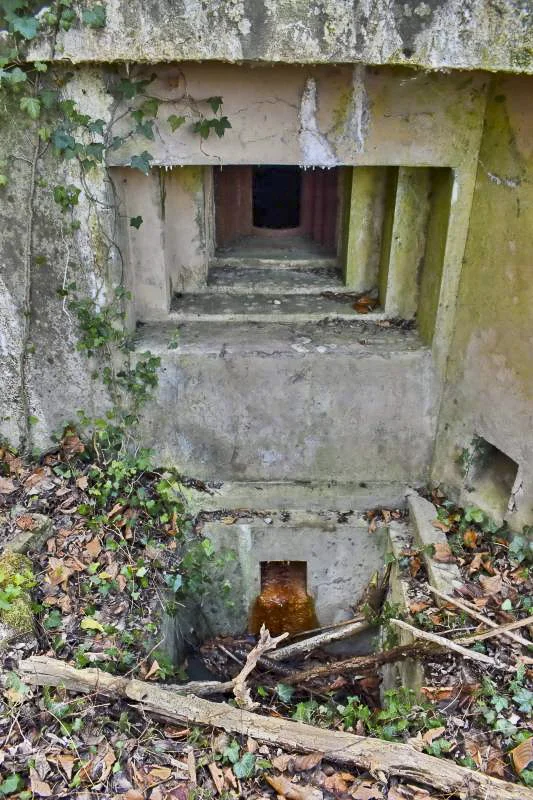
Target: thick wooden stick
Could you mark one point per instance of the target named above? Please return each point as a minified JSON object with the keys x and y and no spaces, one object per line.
{"x":321,"y":639}
{"x":501,"y":630}
{"x":361,"y":663}
{"x":448,"y":644}
{"x":373,"y":755}
{"x":475,"y":614}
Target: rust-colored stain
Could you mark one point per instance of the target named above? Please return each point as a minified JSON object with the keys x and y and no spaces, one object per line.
{"x":284,"y":604}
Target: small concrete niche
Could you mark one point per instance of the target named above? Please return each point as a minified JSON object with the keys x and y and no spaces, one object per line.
{"x":491,"y":478}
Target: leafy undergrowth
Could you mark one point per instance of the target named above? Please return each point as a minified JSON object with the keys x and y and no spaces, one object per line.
{"x":122,"y":553}
{"x":121,"y":556}
{"x":484,"y":713}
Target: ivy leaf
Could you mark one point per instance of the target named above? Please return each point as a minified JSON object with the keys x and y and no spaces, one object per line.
{"x":48,"y":98}
{"x":215,"y":103}
{"x":284,"y":692}
{"x":14,"y":76}
{"x":40,"y":66}
{"x":3,"y":180}
{"x":175,"y":122}
{"x":94,"y":17}
{"x":203,"y":127}
{"x":142,"y":162}
{"x":130,"y":89}
{"x":90,"y":624}
{"x":136,"y":222}
{"x":61,"y":140}
{"x":221,"y":125}
{"x":11,"y":784}
{"x":95,"y":150}
{"x":96,"y":126}
{"x":245,"y":767}
{"x":26,"y":26}
{"x":232,"y":752}
{"x":146,"y":128}
{"x":150,"y":107}
{"x":53,"y":620}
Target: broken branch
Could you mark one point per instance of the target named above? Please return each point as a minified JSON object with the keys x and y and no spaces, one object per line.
{"x":264,"y":644}
{"x":396,"y":760}
{"x":443,"y":642}
{"x":469,"y":609}
{"x":321,"y":639}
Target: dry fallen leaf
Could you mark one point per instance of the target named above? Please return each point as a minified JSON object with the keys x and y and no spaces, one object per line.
{"x":432,"y":734}
{"x":415,"y":565}
{"x":25,"y":522}
{"x":440,"y":525}
{"x":291,"y":790}
{"x":158,"y":774}
{"x":217,"y":776}
{"x":39,"y":787}
{"x":93,"y":548}
{"x":310,"y":761}
{"x":6,"y":486}
{"x":132,"y":794}
{"x":470,"y":538}
{"x":522,"y":755}
{"x":152,"y":672}
{"x":369,"y":791}
{"x":418,"y":606}
{"x":335,"y":783}
{"x":82,"y":482}
{"x":492,"y":584}
{"x":495,"y":762}
{"x":443,"y":554}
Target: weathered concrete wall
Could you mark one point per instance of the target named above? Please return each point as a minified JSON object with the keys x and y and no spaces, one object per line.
{"x":437,"y":34}
{"x":489,"y":389}
{"x":45,"y":380}
{"x":311,"y":402}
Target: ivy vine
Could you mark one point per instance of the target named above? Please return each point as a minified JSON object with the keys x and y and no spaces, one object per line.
{"x":75,"y":137}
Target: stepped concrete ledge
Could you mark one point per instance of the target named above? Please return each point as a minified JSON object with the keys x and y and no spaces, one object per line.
{"x":259,"y":307}
{"x":342,"y":498}
{"x":443,"y":576}
{"x":410,"y":672}
{"x":340,"y":556}
{"x":272,"y":402}
{"x":271,"y":280}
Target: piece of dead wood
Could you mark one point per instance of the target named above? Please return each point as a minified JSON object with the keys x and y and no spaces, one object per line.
{"x":448,"y":644}
{"x":472,"y":611}
{"x":362,"y":664}
{"x":373,"y":755}
{"x":500,"y":629}
{"x":321,"y":639}
{"x":264,"y":644}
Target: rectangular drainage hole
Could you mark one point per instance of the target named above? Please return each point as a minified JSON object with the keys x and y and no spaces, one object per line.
{"x":491,"y":476}
{"x":284,"y":604}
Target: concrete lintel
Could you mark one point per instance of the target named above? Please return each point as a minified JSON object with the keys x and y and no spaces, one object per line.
{"x":311,"y":495}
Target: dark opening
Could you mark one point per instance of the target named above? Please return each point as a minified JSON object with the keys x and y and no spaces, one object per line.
{"x":286,"y":572}
{"x":491,"y":475}
{"x":276,"y":197}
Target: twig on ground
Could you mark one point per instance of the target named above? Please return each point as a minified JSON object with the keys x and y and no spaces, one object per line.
{"x":264,"y":644}
{"x":471,"y":610}
{"x":448,"y":644}
{"x":344,"y":631}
